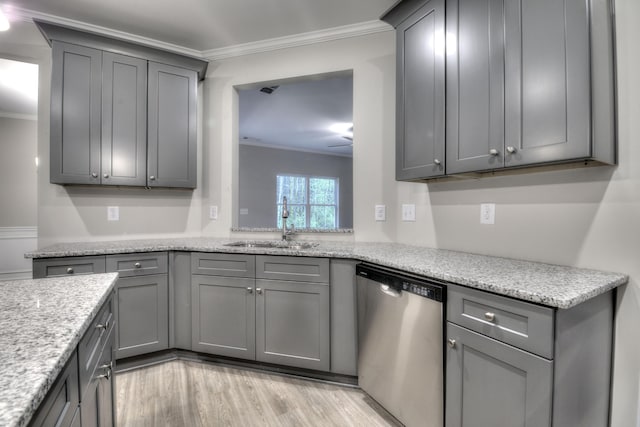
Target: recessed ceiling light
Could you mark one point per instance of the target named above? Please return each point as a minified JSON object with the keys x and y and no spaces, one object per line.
{"x":344,"y":129}
{"x":4,"y":22}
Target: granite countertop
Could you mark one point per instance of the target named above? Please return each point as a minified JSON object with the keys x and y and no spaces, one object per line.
{"x":547,"y":284}
{"x":41,"y":323}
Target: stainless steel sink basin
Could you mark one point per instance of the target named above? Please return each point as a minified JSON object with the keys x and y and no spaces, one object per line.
{"x":279,"y":244}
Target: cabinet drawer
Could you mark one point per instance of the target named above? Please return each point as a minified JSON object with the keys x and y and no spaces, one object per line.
{"x":299,"y":269}
{"x":92,"y":342}
{"x":51,"y":267}
{"x":521,"y":324}
{"x":228,"y":265}
{"x":61,"y":403}
{"x":138,"y":264}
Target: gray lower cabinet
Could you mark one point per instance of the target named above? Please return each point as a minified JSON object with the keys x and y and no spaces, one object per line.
{"x":512,"y":363}
{"x":224,"y":316}
{"x":420,"y":94}
{"x":61,"y":404}
{"x":493,"y":384}
{"x":293,"y":324}
{"x":84,"y":393}
{"x":282,"y":317}
{"x":142,"y":302}
{"x":53,"y":267}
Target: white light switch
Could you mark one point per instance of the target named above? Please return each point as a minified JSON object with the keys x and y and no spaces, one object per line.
{"x":381,"y":213}
{"x":113,"y":213}
{"x":408,"y":212}
{"x":488,"y":213}
{"x":213,"y":212}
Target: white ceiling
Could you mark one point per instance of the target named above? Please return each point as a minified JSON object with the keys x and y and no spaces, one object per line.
{"x":211,"y":24}
{"x":298,"y":115}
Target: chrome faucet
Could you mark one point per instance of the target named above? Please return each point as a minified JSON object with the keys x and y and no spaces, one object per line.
{"x":285,"y":214}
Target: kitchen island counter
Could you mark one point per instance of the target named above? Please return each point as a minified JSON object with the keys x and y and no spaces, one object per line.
{"x":547,"y":284}
{"x":41,"y":324}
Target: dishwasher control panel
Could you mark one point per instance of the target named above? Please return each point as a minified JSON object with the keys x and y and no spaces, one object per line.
{"x":400,"y":282}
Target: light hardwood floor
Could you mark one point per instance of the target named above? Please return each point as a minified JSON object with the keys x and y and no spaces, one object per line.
{"x":186,"y":393}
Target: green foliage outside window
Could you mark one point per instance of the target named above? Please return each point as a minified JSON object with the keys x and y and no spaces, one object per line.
{"x":312,"y":201}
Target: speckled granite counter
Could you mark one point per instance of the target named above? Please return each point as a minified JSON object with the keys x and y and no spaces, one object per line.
{"x":41,"y":323}
{"x":551,"y":285}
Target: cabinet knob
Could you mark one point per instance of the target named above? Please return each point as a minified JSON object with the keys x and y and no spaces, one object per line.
{"x":437,"y":161}
{"x":451,"y":342}
{"x":494,"y":152}
{"x":70,"y":270}
{"x":94,"y":175}
{"x":259,"y":290}
{"x":104,"y":326}
{"x":250,"y":290}
{"x":490,"y":316}
{"x":137,"y":265}
{"x":152,"y":178}
{"x":106,"y":175}
{"x":511,"y":150}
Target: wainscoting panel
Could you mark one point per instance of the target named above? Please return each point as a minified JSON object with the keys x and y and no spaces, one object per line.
{"x":14,"y":242}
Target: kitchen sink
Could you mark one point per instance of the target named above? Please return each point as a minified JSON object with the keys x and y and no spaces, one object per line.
{"x":272,"y":244}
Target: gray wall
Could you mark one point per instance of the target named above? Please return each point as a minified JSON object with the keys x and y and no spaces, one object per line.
{"x":259,"y":166}
{"x":18,"y":191}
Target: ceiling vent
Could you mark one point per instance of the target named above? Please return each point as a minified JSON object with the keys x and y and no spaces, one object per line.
{"x":269,"y":90}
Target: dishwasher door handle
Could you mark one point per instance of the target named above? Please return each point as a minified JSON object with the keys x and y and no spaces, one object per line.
{"x":388,"y":290}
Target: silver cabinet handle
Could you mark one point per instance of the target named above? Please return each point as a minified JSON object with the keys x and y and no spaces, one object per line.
{"x":152,"y":178}
{"x":107,"y":365}
{"x":137,"y":265}
{"x":494,"y":152}
{"x":259,"y":290}
{"x":511,"y":150}
{"x":101,"y":326}
{"x":490,"y":316}
{"x":451,"y":342}
{"x":437,"y":161}
{"x":250,"y":290}
{"x":94,"y":175}
{"x":106,"y":375}
{"x":70,"y":270}
{"x":106,"y":175}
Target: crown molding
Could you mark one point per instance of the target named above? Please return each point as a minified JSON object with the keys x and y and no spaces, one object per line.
{"x":302,"y":39}
{"x":254,"y":143}
{"x":29,"y":15}
{"x":18,"y":233}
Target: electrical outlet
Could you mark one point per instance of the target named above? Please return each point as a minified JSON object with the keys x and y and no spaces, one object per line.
{"x":113,"y":213}
{"x":488,"y":213}
{"x":381,"y":213}
{"x":213,"y":212}
{"x":244,"y":211}
{"x":408,"y":212}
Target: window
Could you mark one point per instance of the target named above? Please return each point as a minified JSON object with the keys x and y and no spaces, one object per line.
{"x":312,"y":201}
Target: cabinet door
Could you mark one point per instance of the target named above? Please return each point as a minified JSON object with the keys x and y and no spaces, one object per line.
{"x":223,"y":316}
{"x":172,"y":126}
{"x":97,"y":405}
{"x":124,"y":120}
{"x":420,"y":93}
{"x":475,"y":85}
{"x":547,"y":86}
{"x":292,"y":324}
{"x":142,"y":315}
{"x":75,"y":114}
{"x":493,"y":384}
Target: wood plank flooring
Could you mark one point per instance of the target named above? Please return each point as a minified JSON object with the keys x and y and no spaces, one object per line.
{"x":186,"y":393}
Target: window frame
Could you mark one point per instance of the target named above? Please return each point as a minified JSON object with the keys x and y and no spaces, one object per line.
{"x":307,"y":206}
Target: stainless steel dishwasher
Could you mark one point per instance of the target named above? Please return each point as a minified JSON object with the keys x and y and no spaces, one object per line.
{"x":401,"y":347}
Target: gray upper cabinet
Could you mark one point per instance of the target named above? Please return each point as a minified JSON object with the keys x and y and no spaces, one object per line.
{"x":124,"y":120}
{"x":172,"y":126}
{"x":420,"y":94}
{"x":121,"y":113}
{"x":528,"y":82}
{"x":475,"y":85}
{"x":75,"y":114}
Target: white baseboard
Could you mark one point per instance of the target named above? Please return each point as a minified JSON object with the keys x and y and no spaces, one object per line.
{"x":18,"y":232}
{"x":16,"y":275}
